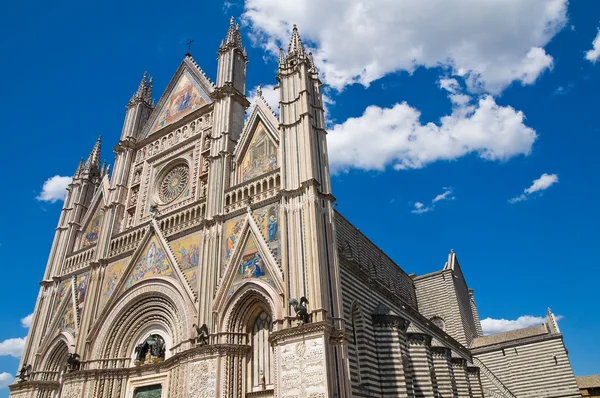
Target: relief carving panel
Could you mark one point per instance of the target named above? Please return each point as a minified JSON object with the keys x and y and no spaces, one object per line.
{"x":302,"y":370}
{"x":203,"y":379}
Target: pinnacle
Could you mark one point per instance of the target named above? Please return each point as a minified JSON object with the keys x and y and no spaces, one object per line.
{"x":93,"y":161}
{"x":234,"y":37}
{"x":144,"y":91}
{"x":296,"y":47}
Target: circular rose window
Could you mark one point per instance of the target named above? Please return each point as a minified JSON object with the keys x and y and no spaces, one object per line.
{"x":173,"y":183}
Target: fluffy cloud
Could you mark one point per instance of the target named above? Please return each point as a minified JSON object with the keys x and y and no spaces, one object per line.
{"x":395,"y":136}
{"x":6,"y":379}
{"x":489,"y":43}
{"x":12,"y":347}
{"x":269,"y":93}
{"x":55,"y":188}
{"x":420,"y":208}
{"x":593,"y":54}
{"x":26,"y":322}
{"x":491,"y":326}
{"x":541,"y":184}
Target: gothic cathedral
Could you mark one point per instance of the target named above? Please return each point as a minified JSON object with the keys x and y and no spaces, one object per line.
{"x":210,"y":262}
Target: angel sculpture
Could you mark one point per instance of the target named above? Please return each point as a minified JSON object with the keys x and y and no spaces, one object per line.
{"x":202,"y":334}
{"x":300,"y":309}
{"x":73,"y":362}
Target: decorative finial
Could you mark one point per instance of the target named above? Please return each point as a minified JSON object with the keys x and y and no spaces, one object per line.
{"x":231,"y":20}
{"x":451,"y":251}
{"x":281,"y":57}
{"x":259,"y":91}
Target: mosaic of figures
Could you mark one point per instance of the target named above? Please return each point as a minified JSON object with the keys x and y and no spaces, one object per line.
{"x":152,"y":262}
{"x":252,"y":266}
{"x":81,"y":290}
{"x":267,"y":219}
{"x":92,"y":231}
{"x":63,"y":289}
{"x":261,"y":155}
{"x":68,"y":319}
{"x":167,"y":141}
{"x":187,"y":254}
{"x":112,"y":275}
{"x":187,"y":96}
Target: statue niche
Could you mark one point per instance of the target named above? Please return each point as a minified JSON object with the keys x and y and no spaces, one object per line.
{"x":152,"y":350}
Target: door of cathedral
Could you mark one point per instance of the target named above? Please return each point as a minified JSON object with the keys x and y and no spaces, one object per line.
{"x":153,"y":391}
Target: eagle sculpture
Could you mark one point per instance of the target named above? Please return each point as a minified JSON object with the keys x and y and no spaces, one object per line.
{"x":301,"y":309}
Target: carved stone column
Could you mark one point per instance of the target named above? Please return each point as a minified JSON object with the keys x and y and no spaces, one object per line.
{"x":474,"y":381}
{"x":390,"y":335}
{"x":459,"y":365}
{"x":442,"y":357}
{"x":424,"y":379}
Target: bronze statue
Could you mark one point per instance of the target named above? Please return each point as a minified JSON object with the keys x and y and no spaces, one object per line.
{"x":202,"y":334}
{"x":301,"y":309}
{"x":24,"y":373}
{"x":73,"y":362}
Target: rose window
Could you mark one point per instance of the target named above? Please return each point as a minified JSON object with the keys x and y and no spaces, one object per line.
{"x":173,"y":183}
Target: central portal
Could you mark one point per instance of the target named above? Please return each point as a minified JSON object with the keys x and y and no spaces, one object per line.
{"x":153,"y":391}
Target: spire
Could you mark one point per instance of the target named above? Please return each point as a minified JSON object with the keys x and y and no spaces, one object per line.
{"x":234,"y":37}
{"x":144,"y":91}
{"x":93,"y":161}
{"x":281,"y":57}
{"x":79,"y":169}
{"x":296,"y":47}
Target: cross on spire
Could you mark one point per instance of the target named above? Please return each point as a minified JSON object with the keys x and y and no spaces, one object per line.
{"x":189,"y":46}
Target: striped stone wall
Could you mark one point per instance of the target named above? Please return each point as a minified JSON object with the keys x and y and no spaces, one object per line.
{"x":537,"y":367}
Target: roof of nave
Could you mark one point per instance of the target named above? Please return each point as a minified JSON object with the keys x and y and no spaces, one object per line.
{"x":512,"y":335}
{"x":592,"y":381}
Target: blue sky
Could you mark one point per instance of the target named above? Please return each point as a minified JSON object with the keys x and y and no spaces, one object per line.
{"x":439,"y":112}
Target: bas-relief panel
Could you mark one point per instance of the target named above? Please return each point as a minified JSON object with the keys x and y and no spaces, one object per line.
{"x":187,"y":96}
{"x":302,"y":371}
{"x":187,"y":253}
{"x":152,"y":262}
{"x":261,"y":155}
{"x":92,"y":231}
{"x":252,"y":266}
{"x":203,"y":379}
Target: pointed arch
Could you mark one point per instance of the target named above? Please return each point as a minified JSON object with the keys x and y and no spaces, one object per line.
{"x":54,"y":360}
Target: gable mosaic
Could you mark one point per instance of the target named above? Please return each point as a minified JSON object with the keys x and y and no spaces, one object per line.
{"x":152,"y":262}
{"x":187,"y":96}
{"x":187,"y":254}
{"x":93,"y":229}
{"x":251,"y":266}
{"x":261,"y":155}
{"x":112,"y":275}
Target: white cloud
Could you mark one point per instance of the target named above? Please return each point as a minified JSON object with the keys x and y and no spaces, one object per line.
{"x":55,"y":188}
{"x":489,"y":43}
{"x":541,"y":184}
{"x":443,"y":196}
{"x":12,"y":347}
{"x":420,"y":208}
{"x":26,"y":322}
{"x":395,"y":136}
{"x":491,"y":326}
{"x":593,"y":54}
{"x":6,"y":379}
{"x":269,"y":93}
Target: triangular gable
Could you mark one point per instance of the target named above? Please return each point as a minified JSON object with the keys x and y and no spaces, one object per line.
{"x":152,"y":259}
{"x":92,"y":226}
{"x":188,"y":90}
{"x":251,"y":262}
{"x":187,"y":254}
{"x":260,"y":156}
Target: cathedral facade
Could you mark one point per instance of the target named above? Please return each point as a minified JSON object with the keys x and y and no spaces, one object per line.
{"x":210,"y":262}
